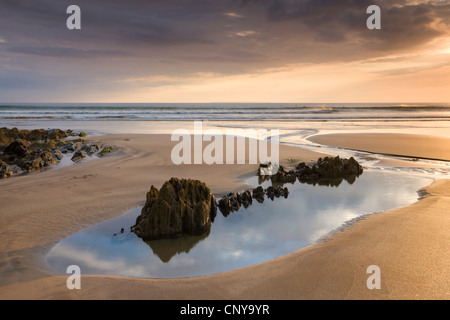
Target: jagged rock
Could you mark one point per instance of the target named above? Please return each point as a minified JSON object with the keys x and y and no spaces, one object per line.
{"x":331,"y":168}
{"x":79,"y":155}
{"x":180,"y":207}
{"x":285,"y":193}
{"x":48,"y":158}
{"x":31,"y":164}
{"x":90,"y":149}
{"x":234,"y":201}
{"x":4,"y":140}
{"x":270,"y":192}
{"x":5,"y":170}
{"x":213,"y":207}
{"x":246,"y":199}
{"x":258,"y":194}
{"x":57,"y":154}
{"x":35,"y":149}
{"x":326,"y":168}
{"x":17,"y":148}
{"x":70,"y":147}
{"x":230,"y":203}
{"x":36,"y":160}
{"x":34,"y":135}
{"x":105,"y":151}
{"x":225,"y":206}
{"x":283,"y":176}
{"x":277,"y":192}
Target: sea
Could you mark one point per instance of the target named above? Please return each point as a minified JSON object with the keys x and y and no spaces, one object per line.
{"x":224,"y":111}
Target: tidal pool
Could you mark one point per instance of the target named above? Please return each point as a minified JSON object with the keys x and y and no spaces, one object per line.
{"x":247,"y":237}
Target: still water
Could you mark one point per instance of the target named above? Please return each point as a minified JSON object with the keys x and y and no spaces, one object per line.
{"x":247,"y":237}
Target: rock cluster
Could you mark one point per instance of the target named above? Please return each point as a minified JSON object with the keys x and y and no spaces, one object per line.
{"x":328,"y":171}
{"x":277,"y":192}
{"x":234,"y":201}
{"x":329,"y":168}
{"x":9,"y":135}
{"x":20,"y":154}
{"x":23,"y":151}
{"x":180,"y":207}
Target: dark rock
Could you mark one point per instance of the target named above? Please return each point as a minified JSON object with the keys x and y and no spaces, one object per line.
{"x":301,"y":166}
{"x":234,"y":201}
{"x":285,"y":193}
{"x":213,"y":205}
{"x":31,"y":150}
{"x":17,"y":148}
{"x":70,"y":147}
{"x":277,"y":192}
{"x":48,"y":158}
{"x":36,"y":160}
{"x":331,"y":168}
{"x":258,"y":194}
{"x":283,"y":176}
{"x":324,"y":169}
{"x":90,"y":149}
{"x":5,"y":170}
{"x":79,"y":155}
{"x":105,"y":151}
{"x":180,"y":207}
{"x":33,"y":135}
{"x":246,"y":199}
{"x":57,"y":154}
{"x":30,"y":164}
{"x":229,"y":204}
{"x":4,"y":140}
{"x":225,"y":206}
{"x":270,"y":192}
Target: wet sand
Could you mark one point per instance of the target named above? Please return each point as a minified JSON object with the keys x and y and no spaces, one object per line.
{"x":405,"y":145}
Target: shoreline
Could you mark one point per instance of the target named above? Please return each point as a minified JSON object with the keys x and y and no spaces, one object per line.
{"x":24,"y":242}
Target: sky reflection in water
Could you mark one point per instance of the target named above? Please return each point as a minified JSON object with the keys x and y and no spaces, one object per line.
{"x":250,"y":236}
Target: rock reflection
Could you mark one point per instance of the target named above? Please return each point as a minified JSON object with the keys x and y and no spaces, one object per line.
{"x":166,"y":249}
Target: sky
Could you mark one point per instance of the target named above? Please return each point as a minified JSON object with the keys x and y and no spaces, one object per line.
{"x":300,"y":51}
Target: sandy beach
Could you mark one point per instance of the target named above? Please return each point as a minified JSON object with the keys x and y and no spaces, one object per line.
{"x":410,"y":244}
{"x":403,"y":145}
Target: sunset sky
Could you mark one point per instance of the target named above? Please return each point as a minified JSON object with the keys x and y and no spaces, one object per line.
{"x":224,"y":51}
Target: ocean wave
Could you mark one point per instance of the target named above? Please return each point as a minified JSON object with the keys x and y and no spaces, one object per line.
{"x":224,"y":112}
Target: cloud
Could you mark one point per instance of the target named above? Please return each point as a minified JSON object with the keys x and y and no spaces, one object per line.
{"x":181,"y":38}
{"x":66,"y":52}
{"x":233,"y":15}
{"x":245,"y":33}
